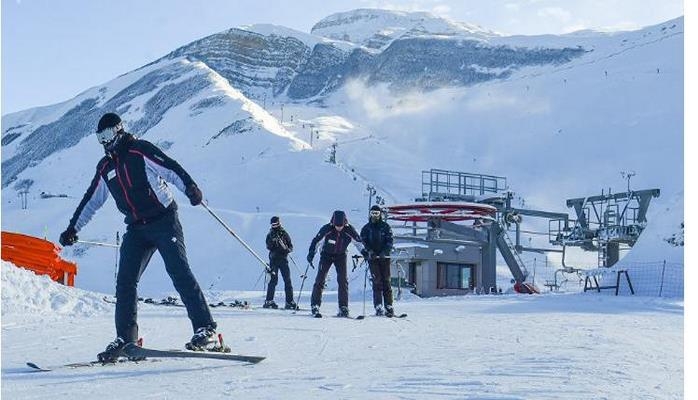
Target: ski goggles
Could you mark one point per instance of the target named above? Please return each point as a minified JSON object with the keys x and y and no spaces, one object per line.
{"x":106,"y":135}
{"x":276,"y":224}
{"x":375,"y":213}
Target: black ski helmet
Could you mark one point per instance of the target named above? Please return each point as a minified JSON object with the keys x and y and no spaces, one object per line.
{"x":376,"y":207}
{"x":108,"y":120}
{"x":275,"y":221}
{"x":339,"y":218}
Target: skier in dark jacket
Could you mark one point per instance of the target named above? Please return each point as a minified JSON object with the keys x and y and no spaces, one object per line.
{"x":135,"y":172}
{"x":377,"y":238}
{"x":279,"y":245}
{"x":336,"y":235}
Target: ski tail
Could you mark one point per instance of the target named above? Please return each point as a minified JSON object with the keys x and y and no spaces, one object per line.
{"x":132,"y":350}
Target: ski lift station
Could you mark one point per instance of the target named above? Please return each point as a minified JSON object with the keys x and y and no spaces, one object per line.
{"x":447,"y":241}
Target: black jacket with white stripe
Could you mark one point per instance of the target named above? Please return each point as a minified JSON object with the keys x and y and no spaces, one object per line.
{"x":136,"y":174}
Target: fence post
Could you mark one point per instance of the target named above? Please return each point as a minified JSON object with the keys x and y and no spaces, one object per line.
{"x":661,"y":284}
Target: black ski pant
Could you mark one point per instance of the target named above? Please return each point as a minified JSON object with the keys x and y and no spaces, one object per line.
{"x":380,"y":280}
{"x":340,"y":263}
{"x":140,"y":243}
{"x":280,"y":265}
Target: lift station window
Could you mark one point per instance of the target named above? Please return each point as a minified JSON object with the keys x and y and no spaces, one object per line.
{"x":455,"y":276}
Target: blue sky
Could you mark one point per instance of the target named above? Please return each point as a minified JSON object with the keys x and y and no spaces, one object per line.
{"x":53,"y":50}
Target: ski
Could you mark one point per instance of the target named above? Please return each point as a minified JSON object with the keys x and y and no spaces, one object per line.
{"x":37,"y":368}
{"x":132,"y":350}
{"x":244,"y":305}
{"x":169,"y":302}
{"x":279,"y":309}
{"x":403,"y":315}
{"x":174,"y":302}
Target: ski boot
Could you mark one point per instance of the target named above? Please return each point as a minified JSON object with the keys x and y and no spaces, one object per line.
{"x":343,"y":312}
{"x":270,"y":304}
{"x":389,"y":312}
{"x":291,"y":305}
{"x":379,"y":311}
{"x":315,"y":311}
{"x":202,"y":338}
{"x":114,"y":350}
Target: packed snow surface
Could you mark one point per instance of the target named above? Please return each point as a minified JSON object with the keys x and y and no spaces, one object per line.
{"x":552,"y":346}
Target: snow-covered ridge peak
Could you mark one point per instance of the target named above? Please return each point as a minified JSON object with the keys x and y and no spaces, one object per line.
{"x":376,"y":28}
{"x":282,"y":31}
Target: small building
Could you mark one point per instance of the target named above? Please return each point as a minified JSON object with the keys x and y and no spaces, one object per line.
{"x":437,"y":257}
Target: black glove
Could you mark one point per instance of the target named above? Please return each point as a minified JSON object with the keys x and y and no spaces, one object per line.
{"x":364,"y":253}
{"x":194,"y":194}
{"x":310,"y":257}
{"x":68,"y":237}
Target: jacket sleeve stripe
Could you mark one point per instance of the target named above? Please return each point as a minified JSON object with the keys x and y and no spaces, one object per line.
{"x":93,"y":199}
{"x":168,"y":168}
{"x":167,"y":174}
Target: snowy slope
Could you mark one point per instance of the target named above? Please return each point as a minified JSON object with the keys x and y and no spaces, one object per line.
{"x":556,"y":132}
{"x":481,"y":347}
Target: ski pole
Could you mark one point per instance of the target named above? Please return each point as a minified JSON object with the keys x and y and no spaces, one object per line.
{"x":400,"y":274}
{"x":304,"y":276}
{"x":365,"y":279}
{"x":97,"y":243}
{"x":266,"y":266}
{"x":257,"y":282}
{"x":294,"y":263}
{"x":114,"y":246}
{"x":354,"y":260}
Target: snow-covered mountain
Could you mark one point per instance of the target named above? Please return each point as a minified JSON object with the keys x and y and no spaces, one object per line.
{"x":376,"y":29}
{"x":560,"y":116}
{"x":420,"y":50}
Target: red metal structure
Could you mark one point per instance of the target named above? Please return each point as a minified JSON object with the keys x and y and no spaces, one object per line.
{"x":446,"y":211}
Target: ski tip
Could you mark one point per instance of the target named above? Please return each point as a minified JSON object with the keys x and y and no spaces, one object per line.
{"x":361,"y":317}
{"x":36,"y":367}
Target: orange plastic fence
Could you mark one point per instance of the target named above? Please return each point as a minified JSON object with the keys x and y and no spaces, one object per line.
{"x":38,"y":255}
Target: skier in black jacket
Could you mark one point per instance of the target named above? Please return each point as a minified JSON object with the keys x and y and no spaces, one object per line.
{"x":336,"y":235}
{"x":279,"y":245}
{"x":377,"y":238}
{"x":135,"y":172}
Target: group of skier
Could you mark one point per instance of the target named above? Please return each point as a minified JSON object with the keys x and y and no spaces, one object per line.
{"x":376,"y":241}
{"x":136,"y":173}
